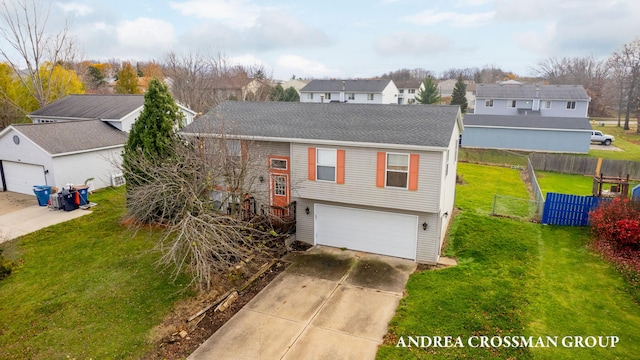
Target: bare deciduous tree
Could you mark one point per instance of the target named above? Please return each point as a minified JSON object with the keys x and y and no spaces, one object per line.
{"x":627,"y":63}
{"x":587,"y":71}
{"x":33,"y":52}
{"x":206,"y":190}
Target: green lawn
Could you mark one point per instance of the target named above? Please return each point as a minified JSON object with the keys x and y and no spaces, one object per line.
{"x":628,"y":140}
{"x":85,"y":289}
{"x":564,"y":183}
{"x":514,"y":279}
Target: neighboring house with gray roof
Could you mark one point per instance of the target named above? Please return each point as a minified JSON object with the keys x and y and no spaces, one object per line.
{"x":367,"y":91}
{"x":514,"y":116}
{"x":375,"y":178}
{"x":71,"y":140}
{"x":407,"y":91}
{"x":520,"y":99}
{"x":121,"y":111}
{"x":57,"y":154}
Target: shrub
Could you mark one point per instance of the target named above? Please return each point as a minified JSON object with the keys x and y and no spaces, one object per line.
{"x":617,"y":222}
{"x":5,"y":269}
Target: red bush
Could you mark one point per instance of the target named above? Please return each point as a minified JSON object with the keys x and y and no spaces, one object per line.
{"x":617,"y":222}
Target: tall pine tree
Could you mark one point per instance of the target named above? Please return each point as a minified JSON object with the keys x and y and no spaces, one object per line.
{"x":459,"y":95}
{"x":153,"y":134}
{"x":428,"y":93}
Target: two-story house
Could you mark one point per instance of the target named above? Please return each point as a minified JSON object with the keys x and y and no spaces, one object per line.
{"x":407,"y":91}
{"x":548,"y":118}
{"x":375,"y":91}
{"x":375,"y":178}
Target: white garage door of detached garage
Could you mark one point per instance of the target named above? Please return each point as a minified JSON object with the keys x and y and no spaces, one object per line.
{"x":366,"y":230}
{"x":21,"y":177}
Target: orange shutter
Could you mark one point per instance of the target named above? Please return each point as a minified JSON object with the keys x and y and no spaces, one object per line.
{"x":340,"y":167}
{"x":312,"y":164}
{"x":381,"y":169}
{"x":414,"y":159}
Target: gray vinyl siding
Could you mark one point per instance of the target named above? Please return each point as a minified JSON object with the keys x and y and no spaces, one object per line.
{"x":527,"y":139}
{"x":428,"y":242}
{"x":260,"y":152}
{"x":360,"y":181}
{"x":559,"y":108}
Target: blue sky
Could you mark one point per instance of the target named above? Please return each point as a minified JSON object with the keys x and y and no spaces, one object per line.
{"x":352,"y":38}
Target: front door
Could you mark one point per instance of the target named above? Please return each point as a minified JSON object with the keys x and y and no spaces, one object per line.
{"x":279,"y":183}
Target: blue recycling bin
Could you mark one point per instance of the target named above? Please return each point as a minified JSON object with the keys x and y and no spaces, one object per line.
{"x":42,"y":193}
{"x":83,"y":192}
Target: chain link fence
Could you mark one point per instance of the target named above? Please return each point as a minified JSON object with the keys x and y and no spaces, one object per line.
{"x":517,"y":208}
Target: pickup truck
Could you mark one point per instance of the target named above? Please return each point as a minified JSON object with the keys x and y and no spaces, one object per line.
{"x":598,"y":136}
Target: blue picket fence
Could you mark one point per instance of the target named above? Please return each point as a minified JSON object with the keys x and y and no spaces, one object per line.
{"x":568,"y":210}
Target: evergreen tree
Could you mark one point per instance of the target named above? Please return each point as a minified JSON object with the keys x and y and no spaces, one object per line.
{"x":277,"y":93}
{"x":153,"y":135}
{"x":127,"y":80}
{"x":459,"y":95}
{"x":428,"y":94}
{"x":290,"y":94}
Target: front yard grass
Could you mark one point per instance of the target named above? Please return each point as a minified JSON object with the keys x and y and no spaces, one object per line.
{"x":84,"y":289}
{"x":514,"y":279}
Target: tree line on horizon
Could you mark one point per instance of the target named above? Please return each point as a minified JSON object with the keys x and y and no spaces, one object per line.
{"x":48,"y":68}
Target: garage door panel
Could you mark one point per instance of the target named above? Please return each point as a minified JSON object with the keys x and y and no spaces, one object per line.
{"x":365,"y":230}
{"x":21,"y":177}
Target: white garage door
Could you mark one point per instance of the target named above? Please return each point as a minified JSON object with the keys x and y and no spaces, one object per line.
{"x":21,"y":177}
{"x":365,"y":230}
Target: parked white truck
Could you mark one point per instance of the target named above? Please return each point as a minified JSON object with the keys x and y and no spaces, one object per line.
{"x":598,"y":136}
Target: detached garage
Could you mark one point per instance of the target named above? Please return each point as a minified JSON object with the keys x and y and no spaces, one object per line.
{"x":366,"y":230}
{"x":527,"y":132}
{"x":58,"y":154}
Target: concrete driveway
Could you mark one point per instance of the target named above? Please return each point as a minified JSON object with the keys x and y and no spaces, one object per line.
{"x":328,"y":304}
{"x":28,"y":219}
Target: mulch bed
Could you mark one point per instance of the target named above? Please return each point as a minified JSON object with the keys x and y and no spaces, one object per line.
{"x":174,"y":346}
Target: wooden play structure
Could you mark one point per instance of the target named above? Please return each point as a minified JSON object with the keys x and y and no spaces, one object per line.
{"x":611,"y":186}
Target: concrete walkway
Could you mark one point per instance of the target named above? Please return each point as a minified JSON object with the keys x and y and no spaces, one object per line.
{"x":328,"y":304}
{"x":33,"y":218}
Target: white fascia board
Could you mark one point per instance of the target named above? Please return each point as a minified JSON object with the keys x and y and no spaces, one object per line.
{"x":88,"y":150}
{"x":10,"y":127}
{"x":326,"y":142}
{"x":524,"y":128}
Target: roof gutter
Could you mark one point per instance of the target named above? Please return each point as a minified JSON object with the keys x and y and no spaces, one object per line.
{"x":524,"y":128}
{"x":88,"y":150}
{"x":323,"y":142}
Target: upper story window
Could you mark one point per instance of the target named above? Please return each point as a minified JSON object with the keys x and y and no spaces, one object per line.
{"x":370,"y":97}
{"x":511,"y":103}
{"x":310,"y":96}
{"x":411,"y":91}
{"x":571,"y":105}
{"x":545,"y":104}
{"x":397,"y":170}
{"x":352,"y":96}
{"x":327,"y":96}
{"x":326,"y":164}
{"x":488,"y":103}
{"x":401,"y":91}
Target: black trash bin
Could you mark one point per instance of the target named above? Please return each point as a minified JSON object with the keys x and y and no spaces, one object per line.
{"x":69,"y":200}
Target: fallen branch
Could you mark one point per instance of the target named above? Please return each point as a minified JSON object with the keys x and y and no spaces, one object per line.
{"x":216,"y":302}
{"x":261,"y":271}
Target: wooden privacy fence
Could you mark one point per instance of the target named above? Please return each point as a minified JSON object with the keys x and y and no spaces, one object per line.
{"x":571,"y":164}
{"x":568,"y":210}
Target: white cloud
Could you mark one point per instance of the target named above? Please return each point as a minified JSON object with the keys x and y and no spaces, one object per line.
{"x":236,"y":13}
{"x":78,"y":9}
{"x":280,"y":30}
{"x":286,"y":65}
{"x":540,"y":42}
{"x":145,"y":33}
{"x":431,"y":17}
{"x":412,"y":44}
